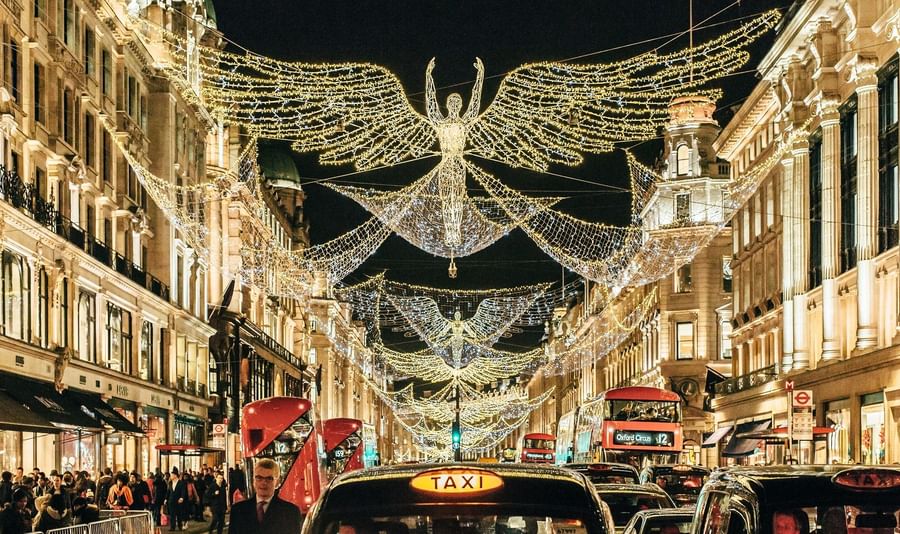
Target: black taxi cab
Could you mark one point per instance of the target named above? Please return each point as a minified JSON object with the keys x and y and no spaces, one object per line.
{"x":822,"y":499}
{"x":681,"y":481}
{"x":460,"y":498}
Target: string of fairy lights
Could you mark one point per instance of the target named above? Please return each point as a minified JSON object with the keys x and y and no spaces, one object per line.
{"x":543,"y":114}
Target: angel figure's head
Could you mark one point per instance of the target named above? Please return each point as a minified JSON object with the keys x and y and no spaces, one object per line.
{"x":454,"y":105}
{"x":457,"y":316}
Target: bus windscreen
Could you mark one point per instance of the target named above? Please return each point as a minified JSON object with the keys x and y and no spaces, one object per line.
{"x":649,"y":411}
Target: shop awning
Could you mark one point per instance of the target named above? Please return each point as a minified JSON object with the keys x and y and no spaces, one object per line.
{"x":740,"y":444}
{"x":716,"y":436}
{"x":42,"y":399}
{"x":94,"y":406}
{"x":15,"y":416}
{"x":779,"y":434}
{"x":186,"y":450}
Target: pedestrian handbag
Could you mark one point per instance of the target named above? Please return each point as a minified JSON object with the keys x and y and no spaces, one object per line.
{"x":164,"y":520}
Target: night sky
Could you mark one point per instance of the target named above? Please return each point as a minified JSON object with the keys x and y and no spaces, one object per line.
{"x":403,"y":35}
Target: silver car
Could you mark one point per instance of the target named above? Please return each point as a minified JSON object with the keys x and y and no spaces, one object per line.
{"x":664,"y":521}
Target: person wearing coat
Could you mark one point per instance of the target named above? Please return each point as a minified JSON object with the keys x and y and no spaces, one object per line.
{"x":140,"y":492}
{"x":265,"y":513}
{"x":55,"y":514}
{"x":217,"y":499}
{"x":15,"y":518}
{"x":160,"y":489}
{"x":176,"y":501}
{"x":83,"y":512}
{"x":120,"y":497}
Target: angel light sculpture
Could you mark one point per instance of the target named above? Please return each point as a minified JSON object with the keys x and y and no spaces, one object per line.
{"x":543,"y":114}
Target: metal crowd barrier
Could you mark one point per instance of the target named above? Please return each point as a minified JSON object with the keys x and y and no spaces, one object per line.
{"x":115,"y":522}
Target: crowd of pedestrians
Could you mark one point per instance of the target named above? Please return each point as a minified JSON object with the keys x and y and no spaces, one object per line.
{"x":37,"y":502}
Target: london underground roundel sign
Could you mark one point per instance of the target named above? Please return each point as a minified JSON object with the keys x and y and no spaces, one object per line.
{"x":456,"y":482}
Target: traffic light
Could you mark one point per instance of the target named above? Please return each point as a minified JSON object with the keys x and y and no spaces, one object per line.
{"x":456,"y":435}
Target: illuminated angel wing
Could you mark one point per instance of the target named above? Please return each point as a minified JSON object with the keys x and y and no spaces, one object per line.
{"x":423,"y":317}
{"x":350,"y":112}
{"x":554,"y":112}
{"x":495,"y":315}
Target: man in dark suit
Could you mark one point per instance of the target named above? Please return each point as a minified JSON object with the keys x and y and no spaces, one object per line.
{"x":265,"y":513}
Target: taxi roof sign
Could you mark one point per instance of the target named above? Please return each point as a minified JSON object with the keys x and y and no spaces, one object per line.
{"x":456,"y":482}
{"x":868,"y":479}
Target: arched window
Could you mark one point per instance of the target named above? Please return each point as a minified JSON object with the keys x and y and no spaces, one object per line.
{"x":86,"y":327}
{"x":16,"y":296}
{"x":683,"y":154}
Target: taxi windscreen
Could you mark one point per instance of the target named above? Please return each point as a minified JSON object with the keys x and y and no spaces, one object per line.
{"x":442,"y":522}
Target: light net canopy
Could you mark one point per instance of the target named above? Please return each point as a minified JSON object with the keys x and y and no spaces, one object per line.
{"x":543,"y":114}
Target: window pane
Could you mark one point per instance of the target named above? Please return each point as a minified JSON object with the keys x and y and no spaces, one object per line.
{"x":684,"y":340}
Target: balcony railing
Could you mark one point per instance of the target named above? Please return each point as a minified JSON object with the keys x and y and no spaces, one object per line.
{"x":27,"y":199}
{"x":190,"y":386}
{"x":747,"y":381}
{"x":279,"y":350}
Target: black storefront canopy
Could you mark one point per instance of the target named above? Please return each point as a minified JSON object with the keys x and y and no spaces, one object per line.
{"x":63,"y":412}
{"x":97,"y":409}
{"x":15,"y":416}
{"x":742,"y":445}
{"x":713,"y":439}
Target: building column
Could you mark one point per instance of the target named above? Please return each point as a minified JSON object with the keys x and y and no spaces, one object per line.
{"x":215,"y":248}
{"x":866,"y":202}
{"x":800,"y":251}
{"x":831,"y":146}
{"x":787,"y":263}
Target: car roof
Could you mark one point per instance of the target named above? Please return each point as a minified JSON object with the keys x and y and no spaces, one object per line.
{"x":669,"y":467}
{"x":503,"y":469}
{"x":631,"y":488}
{"x":612,"y":465}
{"x":544,"y":487}
{"x":686,"y":511}
{"x":786,"y":484}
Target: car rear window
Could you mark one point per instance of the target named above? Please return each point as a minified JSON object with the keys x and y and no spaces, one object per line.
{"x":624,"y":505}
{"x":458,"y":521}
{"x":667,"y":525}
{"x":610,"y":477}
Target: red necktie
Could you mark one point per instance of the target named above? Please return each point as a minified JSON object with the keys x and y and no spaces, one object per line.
{"x":260,"y":511}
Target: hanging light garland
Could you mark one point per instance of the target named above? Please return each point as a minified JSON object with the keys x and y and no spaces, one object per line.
{"x":543,"y":113}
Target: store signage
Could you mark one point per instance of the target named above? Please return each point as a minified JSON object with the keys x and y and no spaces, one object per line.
{"x":643,"y":438}
{"x":218,"y":429}
{"x":802,"y":420}
{"x":114,"y":439}
{"x":802,"y":398}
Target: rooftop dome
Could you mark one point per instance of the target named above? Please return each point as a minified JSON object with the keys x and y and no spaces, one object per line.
{"x":278,"y":167}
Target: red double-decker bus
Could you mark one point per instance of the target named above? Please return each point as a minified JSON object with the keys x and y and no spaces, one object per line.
{"x":349,"y":445}
{"x":634,"y":425}
{"x":286,"y":430}
{"x":538,"y":448}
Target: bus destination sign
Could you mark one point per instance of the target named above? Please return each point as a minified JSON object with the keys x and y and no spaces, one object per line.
{"x":644,"y":438}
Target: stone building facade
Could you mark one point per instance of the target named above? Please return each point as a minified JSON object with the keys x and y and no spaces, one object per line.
{"x":683,"y":331}
{"x":106,"y":298}
{"x":815,"y":248}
